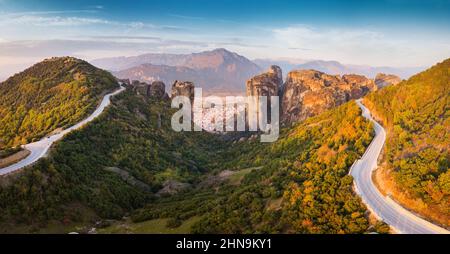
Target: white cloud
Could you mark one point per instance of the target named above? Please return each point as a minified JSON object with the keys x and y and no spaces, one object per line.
{"x":17,"y":55}
{"x":304,"y":36}
{"x":26,"y":27}
{"x":186,"y":17}
{"x":88,"y":48}
{"x":100,"y":7}
{"x":48,"y":33}
{"x":35,"y":20}
{"x":47,"y":19}
{"x":361,"y":46}
{"x":16,"y":14}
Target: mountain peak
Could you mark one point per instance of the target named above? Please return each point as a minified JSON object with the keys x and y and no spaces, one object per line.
{"x":222,"y":50}
{"x":218,"y":70}
{"x":57,"y":58}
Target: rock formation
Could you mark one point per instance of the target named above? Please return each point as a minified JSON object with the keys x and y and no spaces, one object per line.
{"x":136,"y":83}
{"x":183,"y":88}
{"x":124,"y":81}
{"x":356,"y":86}
{"x":382,"y":80}
{"x":156,"y":90}
{"x":266,"y":84}
{"x":308,"y":92}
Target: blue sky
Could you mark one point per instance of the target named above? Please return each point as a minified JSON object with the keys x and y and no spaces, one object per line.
{"x":379,"y":33}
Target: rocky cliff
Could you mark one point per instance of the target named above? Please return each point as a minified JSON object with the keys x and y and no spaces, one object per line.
{"x":154,"y":90}
{"x":382,"y":80}
{"x":157,"y":89}
{"x":356,"y":86}
{"x":266,"y":84}
{"x":183,"y":88}
{"x":308,"y":92}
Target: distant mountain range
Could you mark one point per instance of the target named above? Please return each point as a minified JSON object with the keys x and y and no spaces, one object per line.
{"x":337,"y":68}
{"x":216,"y":71}
{"x":221,"y":71}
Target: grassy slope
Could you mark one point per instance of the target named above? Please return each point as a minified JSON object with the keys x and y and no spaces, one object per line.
{"x":156,"y":226}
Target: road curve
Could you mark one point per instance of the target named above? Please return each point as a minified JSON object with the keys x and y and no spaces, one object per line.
{"x":400,"y":219}
{"x":39,"y":149}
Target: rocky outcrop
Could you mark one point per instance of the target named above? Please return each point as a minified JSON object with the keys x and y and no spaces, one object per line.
{"x":183,"y":88}
{"x":137,"y":83}
{"x":266,"y":84}
{"x":155,"y":90}
{"x":308,"y":92}
{"x":382,"y":80}
{"x":356,"y":86}
{"x":139,"y":87}
{"x":124,"y":81}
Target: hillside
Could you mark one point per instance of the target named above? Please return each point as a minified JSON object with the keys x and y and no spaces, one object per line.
{"x":119,"y":162}
{"x":216,"y":71}
{"x":417,"y":155}
{"x":52,"y":94}
{"x":299,"y":184}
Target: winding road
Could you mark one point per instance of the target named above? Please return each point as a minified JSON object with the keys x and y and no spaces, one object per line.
{"x":39,"y":149}
{"x":400,"y":219}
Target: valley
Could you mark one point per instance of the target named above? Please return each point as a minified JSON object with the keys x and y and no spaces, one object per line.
{"x":222,"y":125}
{"x":128,"y":171}
{"x":77,"y":172}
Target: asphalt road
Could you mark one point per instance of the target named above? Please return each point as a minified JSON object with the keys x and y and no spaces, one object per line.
{"x":400,"y":219}
{"x":39,"y":149}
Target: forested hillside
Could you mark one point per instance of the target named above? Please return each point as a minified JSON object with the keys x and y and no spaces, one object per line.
{"x":129,"y":158}
{"x":54,"y":93}
{"x":114,"y":165}
{"x":417,"y":115}
{"x":299,"y":184}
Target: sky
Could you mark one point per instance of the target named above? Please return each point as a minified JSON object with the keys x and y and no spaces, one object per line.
{"x":398,"y":33}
